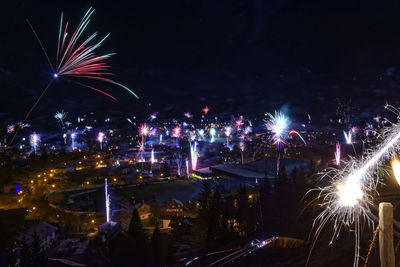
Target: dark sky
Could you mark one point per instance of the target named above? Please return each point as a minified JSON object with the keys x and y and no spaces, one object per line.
{"x":247,"y":56}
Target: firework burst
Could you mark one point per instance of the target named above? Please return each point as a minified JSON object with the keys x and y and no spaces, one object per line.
{"x":60,"y":116}
{"x":76,"y":58}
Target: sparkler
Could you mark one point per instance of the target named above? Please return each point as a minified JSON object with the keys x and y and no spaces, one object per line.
{"x":77,"y":58}
{"x":396,"y":168}
{"x":60,"y":116}
{"x":347,"y":200}
{"x":337,"y":154}
{"x":34,"y":140}
{"x":100,"y":138}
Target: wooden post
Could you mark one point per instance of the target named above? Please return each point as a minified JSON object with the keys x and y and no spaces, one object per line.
{"x":386,"y":250}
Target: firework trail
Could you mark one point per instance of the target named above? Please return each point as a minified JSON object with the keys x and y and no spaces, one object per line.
{"x":298,"y":134}
{"x":242,"y":147}
{"x":239,"y":123}
{"x":76,"y":58}
{"x":337,"y":154}
{"x":60,"y":116}
{"x":348,"y":198}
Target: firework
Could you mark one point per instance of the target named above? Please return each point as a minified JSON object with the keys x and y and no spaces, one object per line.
{"x":73,"y":136}
{"x":60,"y":116}
{"x":176,"y":133}
{"x":65,"y":138}
{"x":212,"y":133}
{"x":77,"y":58}
{"x":153,"y":116}
{"x":239,"y":123}
{"x":242,"y":147}
{"x":188,"y":115}
{"x":278,"y":125}
{"x":193,"y":155}
{"x":206,"y":110}
{"x":161,"y":137}
{"x":107,"y":201}
{"x":348,"y":137}
{"x":152,"y":159}
{"x":144,"y":131}
{"x":100,"y":138}
{"x":337,"y":154}
{"x":227,"y":132}
{"x":298,"y":134}
{"x":201,"y":134}
{"x":349,"y":197}
{"x":35,"y":141}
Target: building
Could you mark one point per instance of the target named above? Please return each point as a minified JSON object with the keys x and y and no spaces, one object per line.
{"x":174,"y":208}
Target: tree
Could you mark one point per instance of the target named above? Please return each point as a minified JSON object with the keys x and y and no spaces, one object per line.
{"x":38,"y":252}
{"x":156,"y":242}
{"x":25,"y":256}
{"x":155,"y":212}
{"x":137,"y":239}
{"x":204,"y":200}
{"x":166,"y":170}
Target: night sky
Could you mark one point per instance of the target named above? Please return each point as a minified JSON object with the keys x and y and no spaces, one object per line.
{"x":234,"y":56}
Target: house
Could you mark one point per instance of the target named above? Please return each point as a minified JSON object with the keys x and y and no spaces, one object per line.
{"x":174,"y":208}
{"x":127,"y":208}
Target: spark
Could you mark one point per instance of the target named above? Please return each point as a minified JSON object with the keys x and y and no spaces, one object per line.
{"x":206,"y":109}
{"x":278,"y":126}
{"x":176,"y":132}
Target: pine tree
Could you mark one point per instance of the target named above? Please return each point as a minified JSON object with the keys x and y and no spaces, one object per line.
{"x":166,"y":170}
{"x":204,"y":200}
{"x":156,"y":242}
{"x":38,"y":252}
{"x":135,"y":231}
{"x":25,"y":256}
{"x":155,"y":212}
